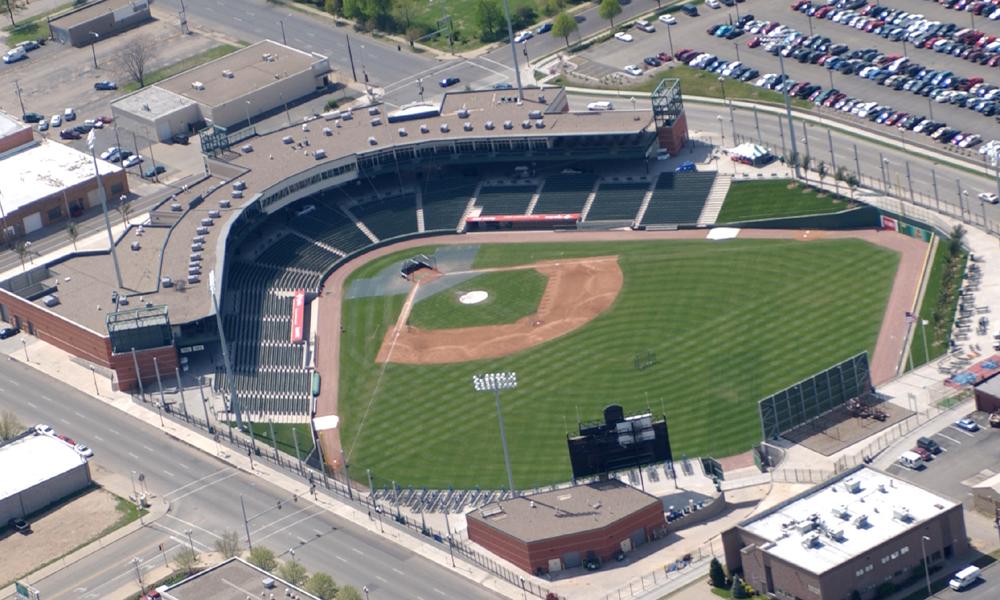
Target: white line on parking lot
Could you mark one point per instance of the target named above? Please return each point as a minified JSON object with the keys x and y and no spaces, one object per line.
{"x":949,"y":438}
{"x":960,"y":430}
{"x":133,"y":455}
{"x":63,"y":421}
{"x":340,"y":558}
{"x":98,"y":438}
{"x":168,"y":473}
{"x":32,"y":404}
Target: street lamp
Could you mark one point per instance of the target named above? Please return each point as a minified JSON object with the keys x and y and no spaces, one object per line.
{"x":494,"y":382}
{"x":137,"y":561}
{"x":190,"y":541}
{"x":885,"y":174}
{"x":927,"y":572}
{"x":93,"y":47}
{"x":365,"y":590}
{"x":722,"y":131}
{"x":248,"y":114}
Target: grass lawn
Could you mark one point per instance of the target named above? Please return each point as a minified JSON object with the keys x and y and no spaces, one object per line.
{"x":937,"y":343}
{"x":464,"y":20}
{"x":31,"y":28}
{"x":512,"y":295}
{"x":729,"y":322}
{"x":183,"y":65}
{"x":747,"y":201}
{"x":283,"y":431}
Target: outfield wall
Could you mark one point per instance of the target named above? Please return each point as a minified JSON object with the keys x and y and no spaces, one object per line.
{"x":863,"y":217}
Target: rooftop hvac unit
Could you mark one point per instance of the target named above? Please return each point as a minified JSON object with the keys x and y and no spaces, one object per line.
{"x":804,"y":526}
{"x":197,"y":247}
{"x":176,"y":207}
{"x":319,"y":154}
{"x":305,"y":127}
{"x":372,"y":110}
{"x":327,"y":131}
{"x":346,"y":115}
{"x":424,"y":128}
{"x":166,"y":282}
{"x":901,"y":513}
{"x":851,"y":486}
{"x":287,"y":140}
{"x":268,"y":57}
{"x":227,"y":74}
{"x":526,"y":124}
{"x":214,"y":214}
{"x":195,"y":257}
{"x":540,"y":124}
{"x":239,"y":185}
{"x":198,"y":239}
{"x":463,"y":113}
{"x":237,"y":194}
{"x":444,"y":128}
{"x":535,"y":114}
{"x":225,"y":203}
{"x":402,"y":132}
{"x":246,"y":148}
{"x":198,"y":85}
{"x":489,"y":125}
{"x":207,"y":222}
{"x":193,"y":279}
{"x":376,"y":121}
{"x":810,"y":541}
{"x":841,"y":512}
{"x":135,"y":246}
{"x":194,"y":269}
{"x":835,"y":534}
{"x":372,"y":141}
{"x":467,"y":126}
{"x":508,"y":125}
{"x":51,"y":300}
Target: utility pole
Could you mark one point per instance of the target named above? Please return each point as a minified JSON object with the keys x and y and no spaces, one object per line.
{"x":17,"y":90}
{"x":513,"y":51}
{"x":234,"y":401}
{"x":104,"y":208}
{"x":350,"y":57}
{"x":788,"y":115}
{"x":183,"y":18}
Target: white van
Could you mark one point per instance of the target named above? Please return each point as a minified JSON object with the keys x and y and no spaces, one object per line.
{"x":601,"y":105}
{"x":964,"y":578}
{"x":910,"y":460}
{"x":14,"y":55}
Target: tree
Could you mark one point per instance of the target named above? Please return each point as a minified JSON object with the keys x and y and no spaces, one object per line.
{"x":523,"y":17}
{"x":821,"y":170}
{"x":349,"y":593}
{"x":956,"y":241}
{"x":853,"y":183}
{"x":124,"y":209}
{"x":21,"y":250}
{"x":262,"y":558}
{"x":10,"y":425}
{"x":563,"y":26}
{"x":334,"y":7}
{"x":553,"y":7}
{"x":9,"y":5}
{"x":186,"y":559}
{"x":806,"y":161}
{"x":738,"y":591}
{"x":489,"y":18}
{"x":322,"y":585}
{"x":716,"y":574}
{"x":610,"y":9}
{"x":72,"y":232}
{"x":292,"y":571}
{"x":134,"y":57}
{"x":405,"y":9}
{"x":229,"y":544}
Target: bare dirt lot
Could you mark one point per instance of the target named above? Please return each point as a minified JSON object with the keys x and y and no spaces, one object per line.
{"x":576,"y":293}
{"x":837,"y":429}
{"x":56,"y":532}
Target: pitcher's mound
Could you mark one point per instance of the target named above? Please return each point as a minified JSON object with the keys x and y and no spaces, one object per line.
{"x":474,"y":297}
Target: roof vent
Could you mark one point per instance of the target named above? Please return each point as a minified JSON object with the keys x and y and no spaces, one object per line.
{"x":508,"y":125}
{"x":239,"y":185}
{"x":237,"y":194}
{"x":193,"y":279}
{"x":805,"y":526}
{"x":327,"y":131}
{"x":198,"y":239}
{"x":207,"y":222}
{"x":535,"y":114}
{"x":488,"y":125}
{"x":224,"y":203}
{"x":268,"y":57}
{"x":526,"y":124}
{"x":195,"y":257}
{"x":841,"y":511}
{"x":194,"y":269}
{"x":810,"y":541}
{"x":197,"y":247}
{"x":467,"y":126}
{"x":214,"y":213}
{"x":201,"y":231}
{"x":424,"y":128}
{"x":402,"y":132}
{"x":444,"y":127}
{"x":346,"y":115}
{"x":532,"y":504}
{"x":146,"y":108}
{"x":287,"y":139}
{"x":167,"y":282}
{"x":376,"y":121}
{"x":852,"y":487}
{"x":372,"y":110}
{"x":176,"y":207}
{"x":861,"y":521}
{"x":198,"y":85}
{"x":901,"y":513}
{"x":135,"y":246}
{"x":463,"y":113}
{"x":319,"y":154}
{"x":372,"y":141}
{"x":246,"y":148}
{"x":540,"y":124}
{"x":305,"y":127}
{"x":227,"y":74}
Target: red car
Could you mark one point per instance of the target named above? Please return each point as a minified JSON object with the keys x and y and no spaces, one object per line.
{"x":925,"y":455}
{"x":68,"y":440}
{"x":753,"y":42}
{"x":664,"y":57}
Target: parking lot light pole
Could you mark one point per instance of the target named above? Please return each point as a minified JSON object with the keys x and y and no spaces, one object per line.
{"x":494,"y":382}
{"x":927,"y":572}
{"x":93,"y":47}
{"x":670,"y":40}
{"x":513,"y":49}
{"x":788,"y":115}
{"x":736,"y":46}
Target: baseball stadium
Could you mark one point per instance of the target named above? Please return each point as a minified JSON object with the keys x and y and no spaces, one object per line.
{"x":366,"y":265}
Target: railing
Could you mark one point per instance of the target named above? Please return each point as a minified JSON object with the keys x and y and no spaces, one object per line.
{"x":687,"y":565}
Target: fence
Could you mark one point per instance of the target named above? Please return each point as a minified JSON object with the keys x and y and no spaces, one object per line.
{"x":690,"y":563}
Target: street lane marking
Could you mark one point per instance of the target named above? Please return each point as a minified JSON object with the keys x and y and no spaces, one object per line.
{"x":133,"y":455}
{"x":189,"y":524}
{"x":168,"y":473}
{"x":439,"y":591}
{"x":949,"y":438}
{"x":398,"y":571}
{"x":148,"y":449}
{"x":184,"y":466}
{"x":98,"y":438}
{"x":958,"y":429}
{"x":14,"y":381}
{"x":358,"y":551}
{"x":286,"y":528}
{"x":201,"y":487}
{"x":113,"y":431}
{"x":32,"y":404}
{"x":340,"y":558}
{"x":200,"y":479}
{"x":63,"y":421}
{"x":380,"y":578}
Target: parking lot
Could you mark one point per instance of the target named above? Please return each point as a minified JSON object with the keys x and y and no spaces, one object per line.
{"x":690,"y":32}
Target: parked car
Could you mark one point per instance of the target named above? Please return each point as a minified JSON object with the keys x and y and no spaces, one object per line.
{"x":66,"y":439}
{"x":84,"y":451}
{"x":110,"y":152}
{"x":601,"y":105}
{"x":69,"y":114}
{"x":523,"y":36}
{"x":967,"y":424}
{"x":623,"y":37}
{"x":32,"y":117}
{"x":43,"y":126}
{"x":448,"y":81}
{"x":929,"y":445}
{"x":544,"y":28}
{"x":988,"y":197}
{"x":44,"y":429}
{"x":55,"y":121}
{"x":70,"y":134}
{"x":7,"y":331}
{"x":690,"y":10}
{"x":633,"y":70}
{"x":652,"y":61}
{"x":105,"y":86}
{"x":924,"y":455}
{"x":132,"y":161}
{"x":645,"y":26}
{"x":668,"y":19}
{"x":154,"y":171}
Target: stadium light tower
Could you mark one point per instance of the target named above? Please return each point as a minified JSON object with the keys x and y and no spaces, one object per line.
{"x":494,"y":382}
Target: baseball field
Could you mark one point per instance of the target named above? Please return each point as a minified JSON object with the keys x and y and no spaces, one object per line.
{"x":697,"y":330}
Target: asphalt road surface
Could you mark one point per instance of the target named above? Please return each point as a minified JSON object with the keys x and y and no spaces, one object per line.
{"x":204,"y":495}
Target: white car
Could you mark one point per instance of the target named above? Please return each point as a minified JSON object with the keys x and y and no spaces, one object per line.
{"x":523,"y":36}
{"x":84,"y":451}
{"x":601,"y":105}
{"x":668,"y":19}
{"x":988,"y":197}
{"x":645,"y":26}
{"x":633,"y":70}
{"x":69,"y":114}
{"x":713,"y":4}
{"x":132,"y":161}
{"x":55,"y":121}
{"x":111,"y":151}
{"x":623,"y":37}
{"x":44,"y":429}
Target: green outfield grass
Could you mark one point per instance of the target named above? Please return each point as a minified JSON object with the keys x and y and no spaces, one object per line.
{"x":512,"y":295}
{"x":774,"y":199}
{"x":285,"y":437}
{"x":729,"y":324}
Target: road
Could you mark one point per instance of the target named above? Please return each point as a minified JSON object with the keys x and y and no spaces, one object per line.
{"x":204,"y":495}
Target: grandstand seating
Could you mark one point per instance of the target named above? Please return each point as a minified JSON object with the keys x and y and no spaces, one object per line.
{"x":294,"y":251}
{"x":389,"y":217}
{"x":617,"y":201}
{"x":445,"y":200}
{"x":564,"y":194}
{"x":678,"y":198}
{"x":331,"y":226}
{"x":506,"y":199}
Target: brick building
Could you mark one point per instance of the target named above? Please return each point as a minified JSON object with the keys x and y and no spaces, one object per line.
{"x":862,"y":531}
{"x":988,"y":395}
{"x":560,"y":529}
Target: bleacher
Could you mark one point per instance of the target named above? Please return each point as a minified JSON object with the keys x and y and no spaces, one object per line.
{"x":505,"y":199}
{"x":617,"y":201}
{"x":678,"y":198}
{"x":564,"y":194}
{"x":389,"y":217}
{"x":331,"y":226}
{"x":444,"y":202}
{"x":293,"y":251}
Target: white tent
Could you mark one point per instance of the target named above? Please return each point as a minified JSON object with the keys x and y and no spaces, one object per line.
{"x":750,"y":153}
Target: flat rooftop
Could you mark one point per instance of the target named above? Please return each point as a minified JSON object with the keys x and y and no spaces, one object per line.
{"x":233,"y":579}
{"x":154,"y":101}
{"x":250,"y":72}
{"x":44,"y":169}
{"x":564,"y":512}
{"x":991,"y":386}
{"x":846,"y":517}
{"x":92,"y":11}
{"x":32,"y":460}
{"x":9,"y":124}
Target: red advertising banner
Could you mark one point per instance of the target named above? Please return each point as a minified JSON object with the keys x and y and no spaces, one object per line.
{"x":298,"y":314}
{"x":524,"y":218}
{"x":889,"y":223}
